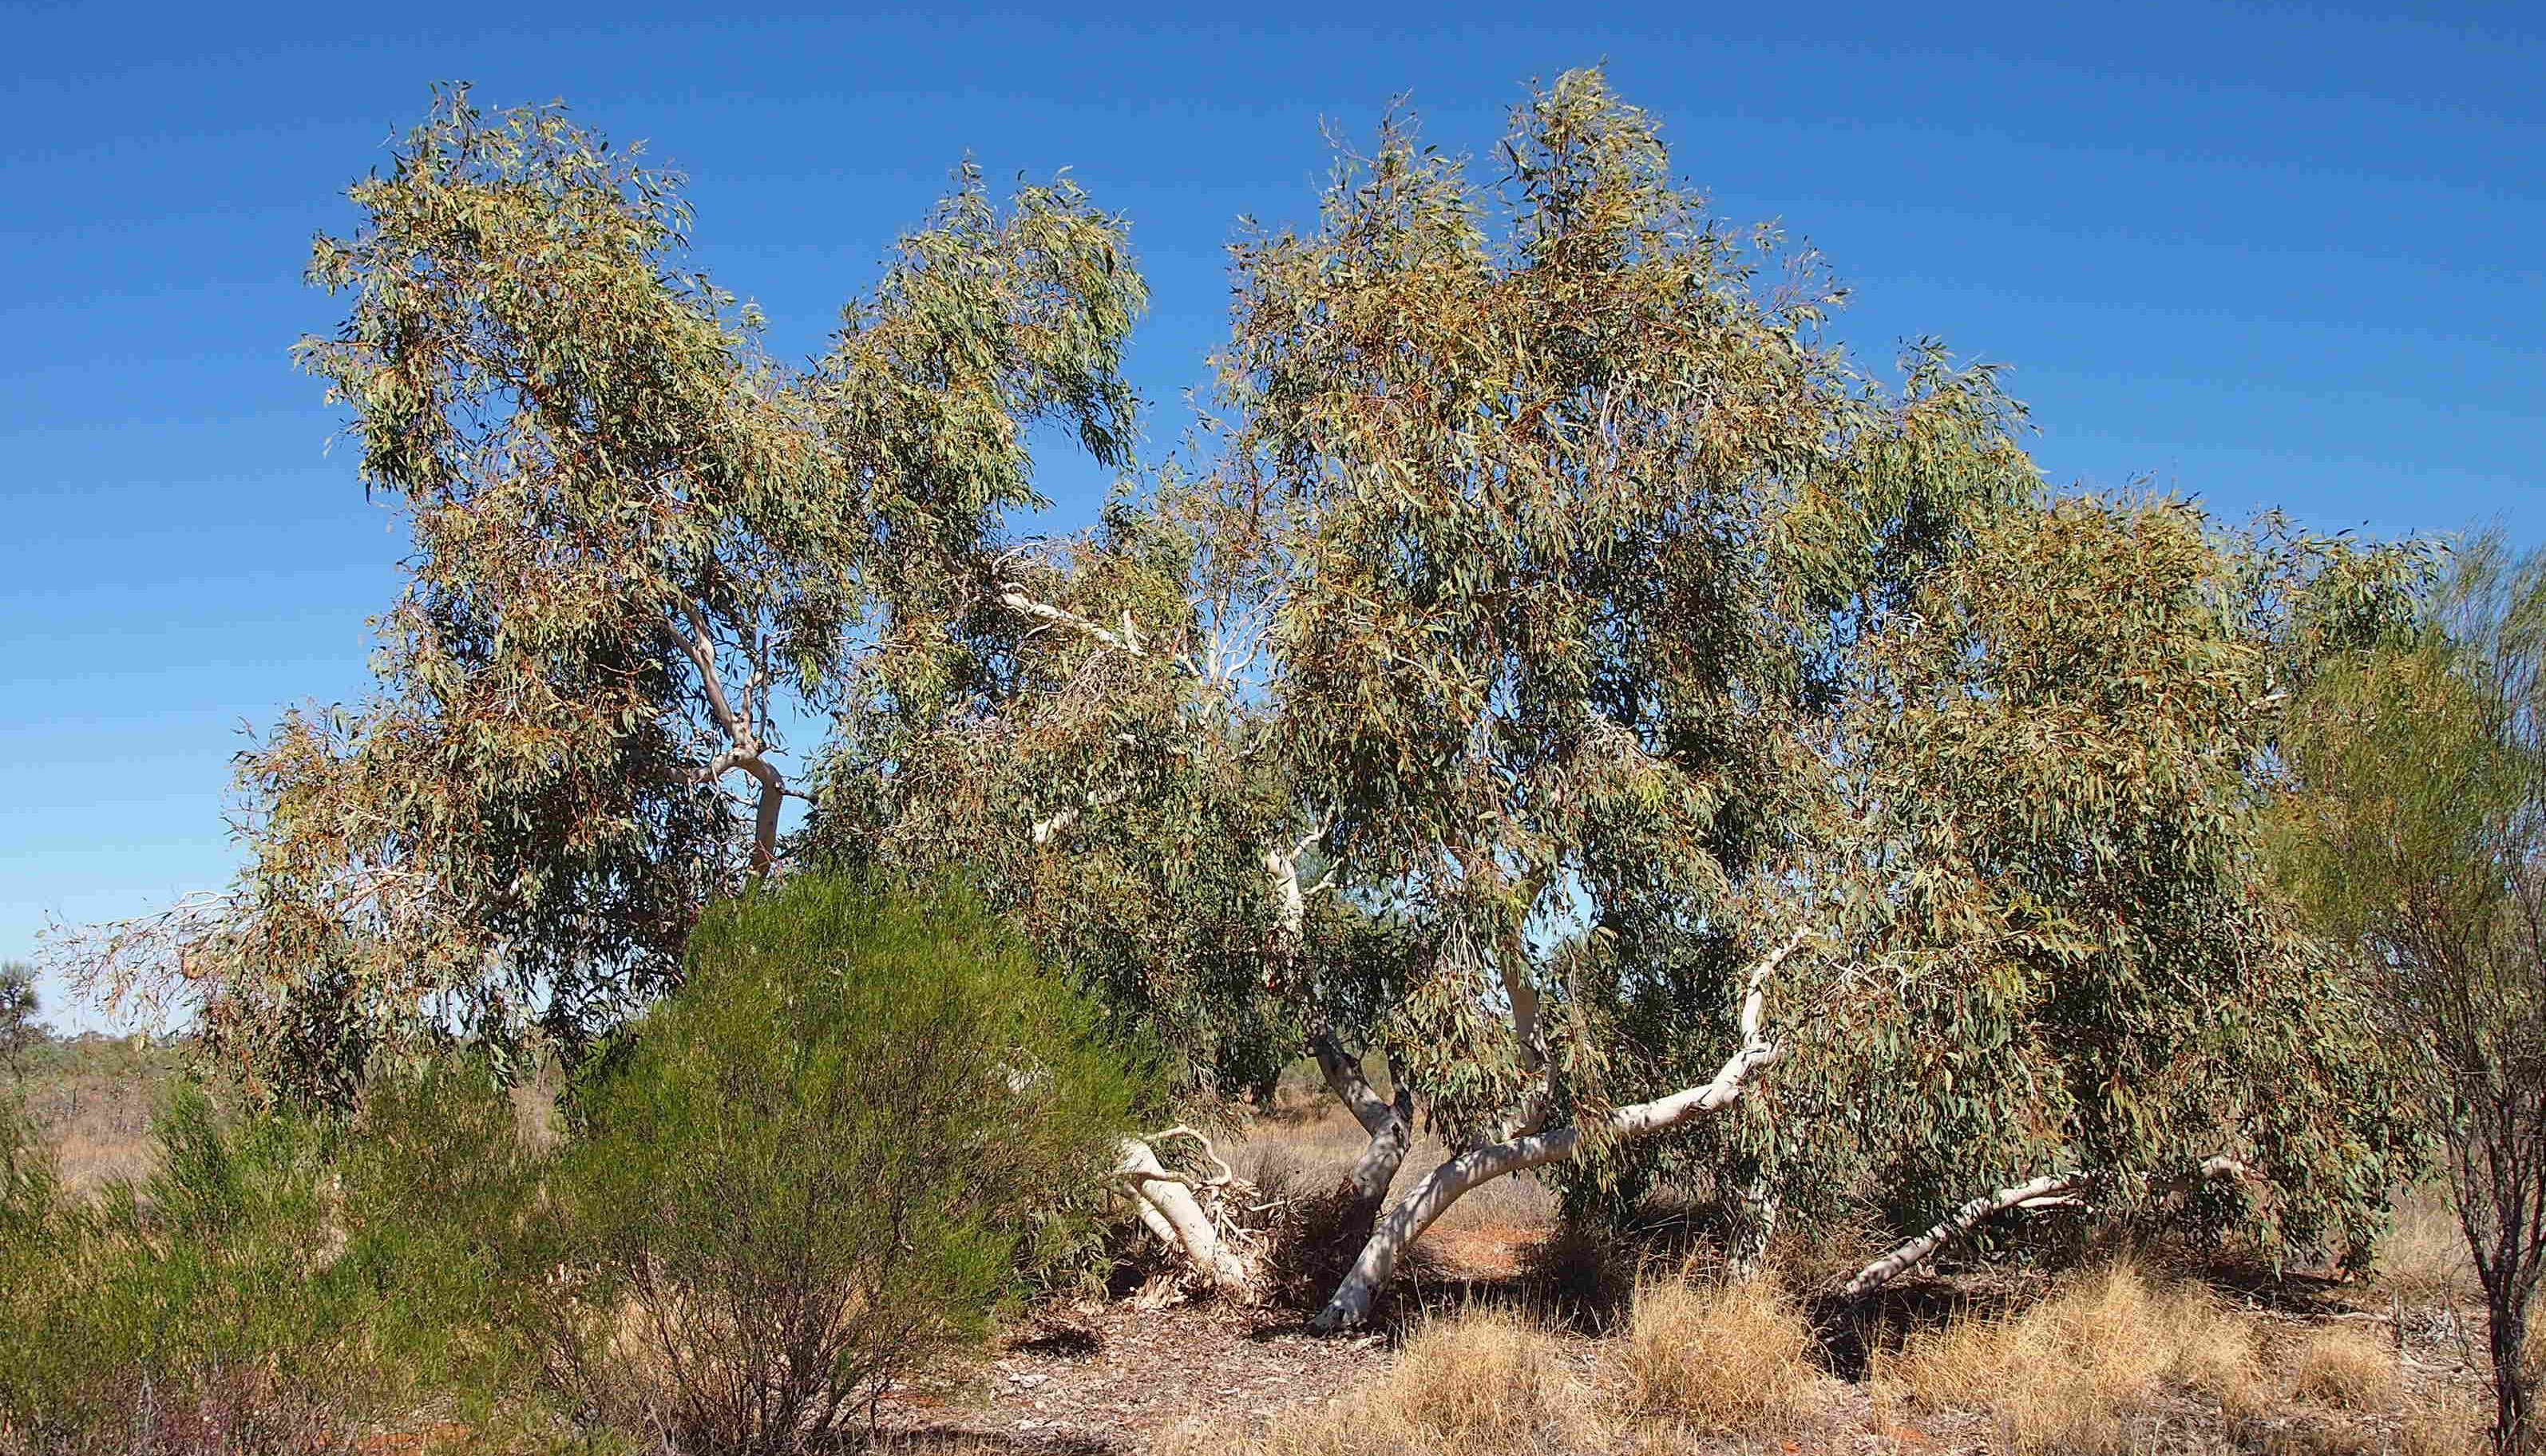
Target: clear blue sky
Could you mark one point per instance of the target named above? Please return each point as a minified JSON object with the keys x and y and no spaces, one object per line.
{"x":2268,"y":254}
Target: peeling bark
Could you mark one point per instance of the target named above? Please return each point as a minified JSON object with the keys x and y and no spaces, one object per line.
{"x":1761,"y":1210}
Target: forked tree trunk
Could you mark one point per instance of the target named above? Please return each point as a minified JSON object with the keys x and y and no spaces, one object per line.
{"x":1446,"y":1184}
{"x":1388,"y":1121}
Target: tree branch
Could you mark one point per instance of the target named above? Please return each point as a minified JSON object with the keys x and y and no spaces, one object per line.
{"x":1447,"y":1184}
{"x":2052,"y":1191}
{"x":1127,"y":639}
{"x":746,"y":752}
{"x":1915,"y":1251}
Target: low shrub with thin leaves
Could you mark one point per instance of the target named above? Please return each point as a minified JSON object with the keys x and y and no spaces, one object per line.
{"x":280,"y":1280}
{"x":806,"y":1175}
{"x":192,"y":1312}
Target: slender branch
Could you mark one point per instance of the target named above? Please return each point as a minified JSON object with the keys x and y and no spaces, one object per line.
{"x":1343,"y":1073}
{"x":701,"y":646}
{"x":2052,"y":1191}
{"x":1915,"y":1251}
{"x":1128,"y":638}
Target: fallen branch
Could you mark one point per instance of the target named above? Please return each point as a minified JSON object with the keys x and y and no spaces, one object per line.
{"x":1166,"y":1204}
{"x":2053,"y":1187}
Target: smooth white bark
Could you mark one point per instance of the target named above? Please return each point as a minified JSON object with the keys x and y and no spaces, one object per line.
{"x":2044,"y":1191}
{"x":1125,"y":637}
{"x":2052,"y":1191}
{"x":742,"y":731}
{"x":1168,"y":1206}
{"x":1389,"y":1123}
{"x":1452,"y":1180}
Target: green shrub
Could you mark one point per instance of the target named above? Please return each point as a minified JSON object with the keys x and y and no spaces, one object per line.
{"x":183,"y":1314}
{"x":808,"y":1174}
{"x":280,"y":1282}
{"x":446,"y":1236}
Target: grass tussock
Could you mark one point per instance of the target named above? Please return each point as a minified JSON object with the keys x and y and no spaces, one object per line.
{"x":2083,"y":1370}
{"x":1483,"y":1378}
{"x":1483,"y":1381}
{"x":2345,"y":1369}
{"x":1714,"y":1353}
{"x":2452,"y":1425}
{"x":2423,"y":1259}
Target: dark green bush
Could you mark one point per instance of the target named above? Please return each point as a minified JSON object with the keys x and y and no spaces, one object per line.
{"x":808,"y":1174}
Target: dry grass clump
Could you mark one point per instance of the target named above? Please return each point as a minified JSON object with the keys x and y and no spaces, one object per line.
{"x":2451,"y":1424}
{"x":2079,"y":1370}
{"x":2423,"y":1259}
{"x":1484,"y":1377}
{"x":1482,"y":1381}
{"x":2343,"y":1368}
{"x":1721,"y":1354}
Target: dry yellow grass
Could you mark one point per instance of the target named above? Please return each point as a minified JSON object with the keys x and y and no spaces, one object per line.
{"x":1310,"y":1147}
{"x":2081,"y":1370}
{"x":2344,"y":1368}
{"x":1485,"y":1381}
{"x":2452,"y":1425}
{"x":88,"y":1163}
{"x":1715,"y":1353}
{"x":2423,"y":1259}
{"x":2113,"y":1360}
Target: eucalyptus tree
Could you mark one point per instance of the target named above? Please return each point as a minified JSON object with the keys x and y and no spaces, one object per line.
{"x":642,"y":546}
{"x":1585,"y":515}
{"x":1088,"y":743}
{"x":2067,"y":976}
{"x":2418,"y":837}
{"x":1632,"y":664}
{"x":1699,"y":704}
{"x":1083,"y":742}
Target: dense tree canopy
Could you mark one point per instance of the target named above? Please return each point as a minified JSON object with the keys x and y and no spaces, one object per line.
{"x":636,"y":537}
{"x":1560,"y":673}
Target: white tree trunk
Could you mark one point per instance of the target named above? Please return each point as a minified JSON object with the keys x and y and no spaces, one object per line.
{"x":1389,"y":1123}
{"x":2046,"y":1191}
{"x":1166,"y":1204}
{"x":1446,"y":1184}
{"x":1761,"y":1210}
